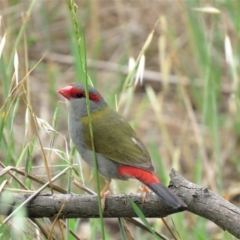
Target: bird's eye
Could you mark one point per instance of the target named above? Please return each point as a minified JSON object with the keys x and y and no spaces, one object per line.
{"x":79,"y":95}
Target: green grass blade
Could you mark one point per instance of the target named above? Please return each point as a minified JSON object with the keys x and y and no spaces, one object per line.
{"x":81,"y":47}
{"x":139,"y":213}
{"x":122,"y":230}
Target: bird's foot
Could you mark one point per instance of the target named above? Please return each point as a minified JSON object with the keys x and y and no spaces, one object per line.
{"x":104,"y":193}
{"x":103,"y":198}
{"x":144,"y":190}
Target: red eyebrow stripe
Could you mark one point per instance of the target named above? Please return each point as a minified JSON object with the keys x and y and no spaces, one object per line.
{"x":75,"y":91}
{"x":94,"y":97}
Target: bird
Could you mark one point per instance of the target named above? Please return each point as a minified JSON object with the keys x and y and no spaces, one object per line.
{"x":120,"y":153}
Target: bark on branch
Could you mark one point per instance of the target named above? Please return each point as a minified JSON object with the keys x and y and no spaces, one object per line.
{"x":199,"y":200}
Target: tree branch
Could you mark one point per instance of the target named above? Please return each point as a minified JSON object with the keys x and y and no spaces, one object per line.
{"x":205,"y":203}
{"x":199,"y":201}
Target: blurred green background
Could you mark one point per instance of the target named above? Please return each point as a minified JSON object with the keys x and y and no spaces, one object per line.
{"x":186,"y":111}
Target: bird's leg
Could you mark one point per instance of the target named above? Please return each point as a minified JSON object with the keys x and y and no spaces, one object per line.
{"x":144,"y":191}
{"x":105,"y":192}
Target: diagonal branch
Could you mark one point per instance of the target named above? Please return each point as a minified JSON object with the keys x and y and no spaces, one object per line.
{"x":205,"y":203}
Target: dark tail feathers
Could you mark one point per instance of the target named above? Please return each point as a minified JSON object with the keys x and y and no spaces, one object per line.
{"x":163,"y":192}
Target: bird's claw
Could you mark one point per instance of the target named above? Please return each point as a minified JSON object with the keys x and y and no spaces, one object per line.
{"x":103,"y":198}
{"x":144,"y":191}
{"x":104,"y":193}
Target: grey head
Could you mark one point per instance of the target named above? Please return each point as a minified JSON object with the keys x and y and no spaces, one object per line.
{"x":76,"y":96}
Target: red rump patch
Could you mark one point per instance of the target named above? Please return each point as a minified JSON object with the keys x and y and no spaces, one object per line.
{"x":140,"y":174}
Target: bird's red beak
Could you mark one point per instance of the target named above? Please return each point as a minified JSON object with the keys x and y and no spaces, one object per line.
{"x":66,"y":91}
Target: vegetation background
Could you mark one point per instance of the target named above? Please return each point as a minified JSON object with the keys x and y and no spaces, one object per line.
{"x":186,"y":111}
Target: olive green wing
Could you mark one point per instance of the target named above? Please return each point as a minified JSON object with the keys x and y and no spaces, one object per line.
{"x":116,"y":140}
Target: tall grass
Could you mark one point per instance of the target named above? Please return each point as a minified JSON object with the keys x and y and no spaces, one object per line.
{"x":188,"y":116}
